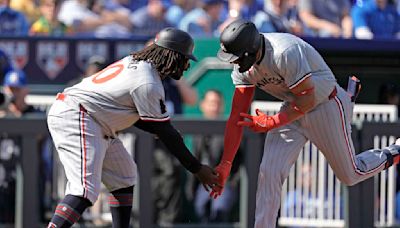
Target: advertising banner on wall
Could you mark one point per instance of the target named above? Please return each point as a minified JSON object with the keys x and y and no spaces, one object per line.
{"x":58,"y":61}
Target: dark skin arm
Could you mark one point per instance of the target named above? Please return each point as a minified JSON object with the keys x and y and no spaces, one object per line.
{"x":174,"y":142}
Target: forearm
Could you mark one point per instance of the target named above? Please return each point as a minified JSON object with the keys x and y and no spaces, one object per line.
{"x":314,"y":22}
{"x":347,"y":27}
{"x":173,"y":141}
{"x":233,"y":133}
{"x":122,"y":18}
{"x":87,"y":24}
{"x":188,"y":93}
{"x":233,"y":137}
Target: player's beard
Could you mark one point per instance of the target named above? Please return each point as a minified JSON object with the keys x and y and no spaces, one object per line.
{"x":246,"y":63}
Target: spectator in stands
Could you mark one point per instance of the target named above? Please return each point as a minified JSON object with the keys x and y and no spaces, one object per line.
{"x":150,"y":19}
{"x":168,"y":200}
{"x":27,"y":7}
{"x":278,"y":17}
{"x":10,"y":149}
{"x":389,"y":93}
{"x":90,"y":18}
{"x":177,"y":11}
{"x":95,"y":64}
{"x":48,"y":23}
{"x":136,"y":4}
{"x":78,"y":15}
{"x":15,"y":84}
{"x":302,"y":201}
{"x":118,"y":15}
{"x":308,"y":205}
{"x":12,"y":22}
{"x":398,"y":6}
{"x":245,"y":9}
{"x":208,"y":149}
{"x":330,"y":18}
{"x":204,"y":21}
{"x":375,"y":19}
{"x":5,"y":64}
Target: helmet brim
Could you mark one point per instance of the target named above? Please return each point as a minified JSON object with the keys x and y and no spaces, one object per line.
{"x":192,"y":57}
{"x":227,"y":57}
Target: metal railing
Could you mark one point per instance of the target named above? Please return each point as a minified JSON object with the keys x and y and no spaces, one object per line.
{"x":27,"y":208}
{"x":383,"y":186}
{"x":358,"y":200}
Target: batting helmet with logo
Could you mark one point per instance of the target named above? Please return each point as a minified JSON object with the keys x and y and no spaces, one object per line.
{"x":176,"y":40}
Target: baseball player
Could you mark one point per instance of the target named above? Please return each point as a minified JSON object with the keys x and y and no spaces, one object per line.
{"x":314,"y":108}
{"x":84,"y":120}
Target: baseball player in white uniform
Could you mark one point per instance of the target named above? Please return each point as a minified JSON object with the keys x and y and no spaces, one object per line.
{"x":85,"y":119}
{"x":314,"y":108}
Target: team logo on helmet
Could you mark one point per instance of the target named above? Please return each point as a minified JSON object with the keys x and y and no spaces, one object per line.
{"x":87,"y":49}
{"x":52,"y":57}
{"x":18,"y":51}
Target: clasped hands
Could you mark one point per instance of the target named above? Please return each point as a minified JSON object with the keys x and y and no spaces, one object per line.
{"x":259,"y":123}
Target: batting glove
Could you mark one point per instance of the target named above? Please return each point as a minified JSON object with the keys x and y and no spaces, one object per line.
{"x":259,"y":123}
{"x":223,"y":170}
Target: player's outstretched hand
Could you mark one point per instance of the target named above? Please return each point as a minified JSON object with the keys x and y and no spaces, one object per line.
{"x":208,"y":177}
{"x":223,"y":170}
{"x":259,"y":123}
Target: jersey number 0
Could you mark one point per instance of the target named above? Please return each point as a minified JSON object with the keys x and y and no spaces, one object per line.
{"x":108,"y":73}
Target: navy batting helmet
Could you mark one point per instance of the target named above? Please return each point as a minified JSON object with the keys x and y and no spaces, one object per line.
{"x":240,"y":40}
{"x":176,"y":40}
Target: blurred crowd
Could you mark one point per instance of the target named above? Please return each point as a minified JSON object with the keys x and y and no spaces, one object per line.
{"x":361,"y":19}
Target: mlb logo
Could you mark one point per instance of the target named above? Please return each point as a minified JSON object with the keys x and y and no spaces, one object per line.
{"x":52,"y":57}
{"x":86,"y":49}
{"x":18,"y":51}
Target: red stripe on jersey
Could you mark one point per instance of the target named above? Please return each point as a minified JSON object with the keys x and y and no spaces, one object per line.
{"x":84,"y":151}
{"x":345,"y":135}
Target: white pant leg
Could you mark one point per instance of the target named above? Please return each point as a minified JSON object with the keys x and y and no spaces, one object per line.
{"x":81,"y":147}
{"x":119,"y":168}
{"x":329,"y":128}
{"x":281,"y":149}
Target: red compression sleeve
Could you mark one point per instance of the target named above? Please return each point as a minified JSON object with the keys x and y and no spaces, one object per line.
{"x":233,"y":133}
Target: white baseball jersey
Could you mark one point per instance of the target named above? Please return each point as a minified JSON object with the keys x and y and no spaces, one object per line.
{"x":84,"y":121}
{"x":288,"y":61}
{"x":119,"y":95}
